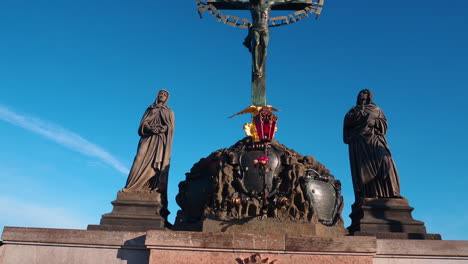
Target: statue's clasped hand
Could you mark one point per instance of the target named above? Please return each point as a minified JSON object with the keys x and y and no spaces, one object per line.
{"x":159,"y":129}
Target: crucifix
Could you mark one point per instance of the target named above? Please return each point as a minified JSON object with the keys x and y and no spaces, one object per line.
{"x":259,"y":34}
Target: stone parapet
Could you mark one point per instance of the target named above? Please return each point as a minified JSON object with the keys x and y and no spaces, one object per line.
{"x":195,"y":247}
{"x":397,"y":251}
{"x":268,"y":242}
{"x":54,"y":246}
{"x":73,"y":237}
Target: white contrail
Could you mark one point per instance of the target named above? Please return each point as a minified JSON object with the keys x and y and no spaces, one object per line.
{"x":62,"y":136}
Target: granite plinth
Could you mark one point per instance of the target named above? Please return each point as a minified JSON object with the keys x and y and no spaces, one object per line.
{"x":387,"y":218}
{"x":272,"y":226}
{"x":196,"y":247}
{"x":133,"y":211}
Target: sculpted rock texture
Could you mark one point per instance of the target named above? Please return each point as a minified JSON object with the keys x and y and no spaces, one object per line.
{"x":228,"y":186}
{"x":150,"y":168}
{"x":372,"y":167}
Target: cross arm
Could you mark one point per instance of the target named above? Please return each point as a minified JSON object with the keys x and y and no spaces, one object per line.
{"x":239,"y":3}
{"x":281,"y":2}
{"x":278,"y":5}
{"x":230,"y":4}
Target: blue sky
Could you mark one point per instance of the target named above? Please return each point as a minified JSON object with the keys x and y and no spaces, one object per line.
{"x":76,"y":77}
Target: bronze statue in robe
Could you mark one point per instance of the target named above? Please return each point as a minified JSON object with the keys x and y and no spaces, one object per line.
{"x":150,"y":168}
{"x":372,"y":167}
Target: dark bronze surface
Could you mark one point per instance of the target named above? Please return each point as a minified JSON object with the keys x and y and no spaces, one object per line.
{"x":295,"y":5}
{"x":239,"y":193}
{"x":150,"y":168}
{"x":259,"y":34}
{"x":142,"y":204}
{"x":378,"y":210}
{"x":373,"y":170}
{"x":251,"y":179}
{"x":323,"y":195}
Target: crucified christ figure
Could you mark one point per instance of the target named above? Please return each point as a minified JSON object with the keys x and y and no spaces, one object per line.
{"x":259,"y":33}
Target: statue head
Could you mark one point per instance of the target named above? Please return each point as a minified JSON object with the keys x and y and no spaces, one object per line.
{"x":216,"y":155}
{"x":162,"y":97}
{"x":364,"y":97}
{"x":233,"y":159}
{"x":309,"y":160}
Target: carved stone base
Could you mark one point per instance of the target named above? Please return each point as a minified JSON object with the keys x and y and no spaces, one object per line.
{"x":133,"y":211}
{"x":387,"y":218}
{"x":229,"y":190}
{"x":268,"y":226}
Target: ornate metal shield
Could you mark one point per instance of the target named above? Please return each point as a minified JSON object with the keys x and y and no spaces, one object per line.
{"x":252,"y":177}
{"x":322,"y":196}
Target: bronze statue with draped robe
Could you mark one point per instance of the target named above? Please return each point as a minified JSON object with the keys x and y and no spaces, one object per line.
{"x":150,"y":168}
{"x":372,"y":167}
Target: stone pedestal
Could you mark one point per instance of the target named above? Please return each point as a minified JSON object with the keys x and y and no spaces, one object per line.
{"x":241,"y":248}
{"x":133,"y":211}
{"x":387,"y":218}
{"x":271,"y":226}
